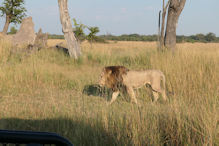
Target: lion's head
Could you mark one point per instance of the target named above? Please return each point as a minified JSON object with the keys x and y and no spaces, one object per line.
{"x":111,"y":76}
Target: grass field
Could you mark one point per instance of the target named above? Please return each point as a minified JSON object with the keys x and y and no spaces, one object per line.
{"x":48,"y":91}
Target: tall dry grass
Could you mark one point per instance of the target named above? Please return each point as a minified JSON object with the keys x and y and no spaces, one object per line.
{"x":44,"y":91}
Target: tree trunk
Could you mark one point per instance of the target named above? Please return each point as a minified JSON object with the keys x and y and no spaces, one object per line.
{"x":163,"y":23}
{"x":7,"y":22}
{"x":159,"y":36}
{"x":174,"y":11}
{"x":73,"y":45}
{"x":162,"y":30}
{"x":170,"y":36}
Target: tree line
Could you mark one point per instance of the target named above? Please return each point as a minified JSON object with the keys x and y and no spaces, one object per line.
{"x":205,"y":38}
{"x":92,"y":37}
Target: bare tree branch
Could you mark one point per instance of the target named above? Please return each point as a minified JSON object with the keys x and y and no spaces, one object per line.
{"x":174,"y":4}
{"x":165,"y":8}
{"x":181,"y":6}
{"x":163,"y":22}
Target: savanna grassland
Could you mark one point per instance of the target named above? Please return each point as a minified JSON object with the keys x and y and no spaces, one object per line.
{"x":48,"y":91}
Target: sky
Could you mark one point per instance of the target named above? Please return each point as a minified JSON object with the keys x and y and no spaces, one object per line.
{"x":123,"y":16}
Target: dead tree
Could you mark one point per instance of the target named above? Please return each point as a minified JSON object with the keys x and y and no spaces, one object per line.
{"x":163,"y":23}
{"x":159,"y":35}
{"x":73,"y":46}
{"x":175,"y":8}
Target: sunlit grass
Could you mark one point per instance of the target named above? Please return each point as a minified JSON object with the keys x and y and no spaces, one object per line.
{"x":44,"y":91}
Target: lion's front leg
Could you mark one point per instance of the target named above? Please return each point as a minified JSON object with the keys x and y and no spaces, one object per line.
{"x":132,"y":94}
{"x":114,"y":96}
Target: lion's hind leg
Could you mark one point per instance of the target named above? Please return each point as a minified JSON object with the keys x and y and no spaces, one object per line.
{"x":163,"y":93}
{"x":163,"y":87}
{"x":132,"y":94}
{"x":157,"y":90}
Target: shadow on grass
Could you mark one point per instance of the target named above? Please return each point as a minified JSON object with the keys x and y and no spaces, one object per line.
{"x":78,"y":132}
{"x":96,"y":90}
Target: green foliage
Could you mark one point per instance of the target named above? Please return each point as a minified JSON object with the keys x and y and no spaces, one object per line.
{"x":130,"y":37}
{"x":55,"y":36}
{"x":81,"y":36}
{"x":13,"y":30}
{"x":79,"y":30}
{"x":92,"y":35}
{"x":210,"y":37}
{"x":14,"y":9}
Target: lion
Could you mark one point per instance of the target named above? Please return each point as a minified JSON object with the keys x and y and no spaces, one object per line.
{"x":115,"y":77}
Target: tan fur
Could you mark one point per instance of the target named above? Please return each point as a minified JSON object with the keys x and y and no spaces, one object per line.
{"x":113,"y":76}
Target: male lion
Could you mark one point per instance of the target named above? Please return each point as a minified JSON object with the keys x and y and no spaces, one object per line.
{"x":115,"y":77}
